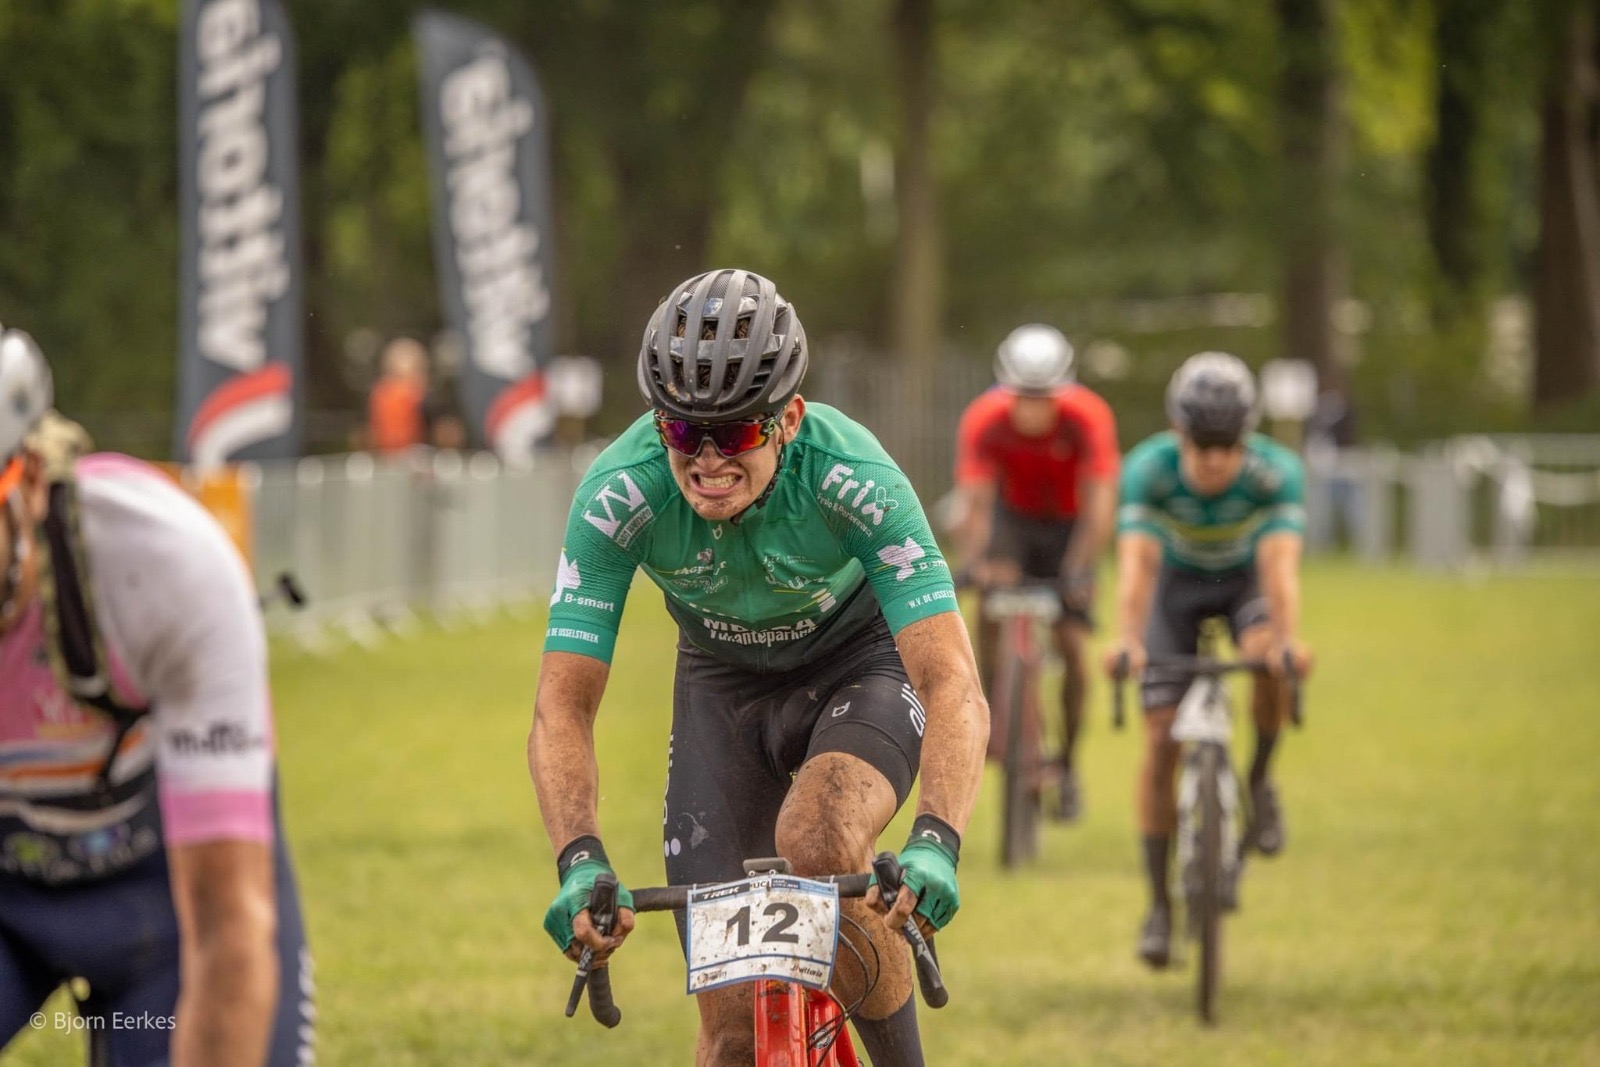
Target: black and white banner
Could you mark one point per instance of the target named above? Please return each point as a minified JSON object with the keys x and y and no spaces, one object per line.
{"x":485,"y":120}
{"x":241,"y":324}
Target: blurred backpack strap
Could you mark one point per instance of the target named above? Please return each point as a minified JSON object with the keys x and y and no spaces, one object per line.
{"x":76,"y":649}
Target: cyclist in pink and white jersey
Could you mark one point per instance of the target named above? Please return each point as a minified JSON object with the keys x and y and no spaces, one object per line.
{"x":140,"y":846}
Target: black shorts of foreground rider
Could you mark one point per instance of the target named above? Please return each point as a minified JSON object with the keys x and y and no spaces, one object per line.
{"x":1184,"y":599}
{"x":739,"y":738}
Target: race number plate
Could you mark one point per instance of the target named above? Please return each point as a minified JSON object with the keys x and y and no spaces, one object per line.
{"x":774,"y":926}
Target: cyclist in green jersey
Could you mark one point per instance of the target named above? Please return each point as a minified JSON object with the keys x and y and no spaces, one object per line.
{"x":1210,"y":524}
{"x":822,"y":662}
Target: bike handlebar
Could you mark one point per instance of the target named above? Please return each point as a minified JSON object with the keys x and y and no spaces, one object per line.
{"x":676,"y":897}
{"x":603,"y":913}
{"x":602,"y":906}
{"x":1216,"y":668}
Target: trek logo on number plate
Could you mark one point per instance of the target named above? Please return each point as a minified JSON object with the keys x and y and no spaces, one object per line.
{"x":774,"y":926}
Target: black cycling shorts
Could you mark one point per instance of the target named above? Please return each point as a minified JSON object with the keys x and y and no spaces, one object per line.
{"x":1037,"y":546}
{"x":739,"y":737}
{"x":1183,"y":600}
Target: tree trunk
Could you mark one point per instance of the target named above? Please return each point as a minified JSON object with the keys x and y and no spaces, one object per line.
{"x":1314,"y":263}
{"x":1567,"y":300}
{"x":1455,"y":160}
{"x":917,"y":282}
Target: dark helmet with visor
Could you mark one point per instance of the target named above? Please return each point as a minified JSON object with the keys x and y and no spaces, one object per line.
{"x":722,"y":346}
{"x":1212,"y":399}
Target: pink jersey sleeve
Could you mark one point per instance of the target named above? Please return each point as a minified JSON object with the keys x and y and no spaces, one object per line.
{"x":176,"y":600}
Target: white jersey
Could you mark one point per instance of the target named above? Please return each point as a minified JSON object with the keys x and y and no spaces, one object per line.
{"x":182,"y":632}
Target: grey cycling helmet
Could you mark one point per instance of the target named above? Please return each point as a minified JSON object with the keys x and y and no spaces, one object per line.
{"x":722,"y":346}
{"x":1034,"y":359}
{"x":1212,"y":399}
{"x":25,"y":390}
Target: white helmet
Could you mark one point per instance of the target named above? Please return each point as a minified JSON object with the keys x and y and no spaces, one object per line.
{"x":25,"y":390}
{"x":1034,"y":359}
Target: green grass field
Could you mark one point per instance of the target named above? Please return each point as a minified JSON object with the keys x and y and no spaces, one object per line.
{"x":1439,"y":902}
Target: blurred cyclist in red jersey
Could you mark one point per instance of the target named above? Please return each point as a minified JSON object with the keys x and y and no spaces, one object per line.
{"x":1036,"y":466}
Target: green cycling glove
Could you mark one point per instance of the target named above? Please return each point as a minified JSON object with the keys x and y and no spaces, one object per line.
{"x":581,"y":862}
{"x":928,"y":869}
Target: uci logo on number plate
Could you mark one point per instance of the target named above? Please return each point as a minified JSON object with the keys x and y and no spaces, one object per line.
{"x":774,"y":926}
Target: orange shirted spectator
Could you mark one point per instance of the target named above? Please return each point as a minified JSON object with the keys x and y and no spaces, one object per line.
{"x":397,"y":416}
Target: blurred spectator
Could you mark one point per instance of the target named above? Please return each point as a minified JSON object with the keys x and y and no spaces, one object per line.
{"x":1330,"y":433}
{"x":397,"y":406}
{"x":402,"y":411}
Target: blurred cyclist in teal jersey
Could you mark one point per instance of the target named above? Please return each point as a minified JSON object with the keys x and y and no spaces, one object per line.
{"x":1210,"y":524}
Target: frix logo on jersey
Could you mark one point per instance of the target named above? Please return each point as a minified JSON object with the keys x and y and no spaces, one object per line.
{"x":869,"y":500}
{"x":619,"y":510}
{"x":904,"y":557}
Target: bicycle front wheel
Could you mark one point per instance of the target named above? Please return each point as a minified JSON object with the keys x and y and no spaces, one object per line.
{"x":1207,"y":902}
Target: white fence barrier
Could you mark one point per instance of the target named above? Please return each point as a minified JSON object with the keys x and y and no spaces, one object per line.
{"x":442,"y":532}
{"x":438,"y":532}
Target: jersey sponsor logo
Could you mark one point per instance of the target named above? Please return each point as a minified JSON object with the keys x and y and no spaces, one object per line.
{"x":866,"y":501}
{"x":566,"y":578}
{"x":574,"y":635}
{"x":219,"y":739}
{"x":703,"y":578}
{"x":619,"y":510}
{"x":733,"y":633}
{"x":904,"y":558}
{"x":774,"y":566}
{"x":919,"y":717}
{"x":929,"y":598}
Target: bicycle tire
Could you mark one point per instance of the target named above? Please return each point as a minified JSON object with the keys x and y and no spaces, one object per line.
{"x":1014,"y":829}
{"x":1208,"y":903}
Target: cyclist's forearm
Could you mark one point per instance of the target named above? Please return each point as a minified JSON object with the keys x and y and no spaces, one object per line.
{"x":224,"y":897}
{"x":952,"y":752}
{"x":977,"y":522}
{"x":561,"y":758}
{"x":938,"y":659}
{"x":566,"y":777}
{"x":1138,"y":562}
{"x":1278,"y":563}
{"x":1097,"y":516}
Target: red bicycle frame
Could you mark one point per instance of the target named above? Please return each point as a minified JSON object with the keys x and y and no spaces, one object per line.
{"x":787,"y":1015}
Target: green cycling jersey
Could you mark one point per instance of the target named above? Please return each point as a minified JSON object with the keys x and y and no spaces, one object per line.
{"x":841,"y":533}
{"x":1211,"y":533}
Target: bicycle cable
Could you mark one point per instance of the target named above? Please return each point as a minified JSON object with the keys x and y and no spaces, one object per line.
{"x":823,"y":1038}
